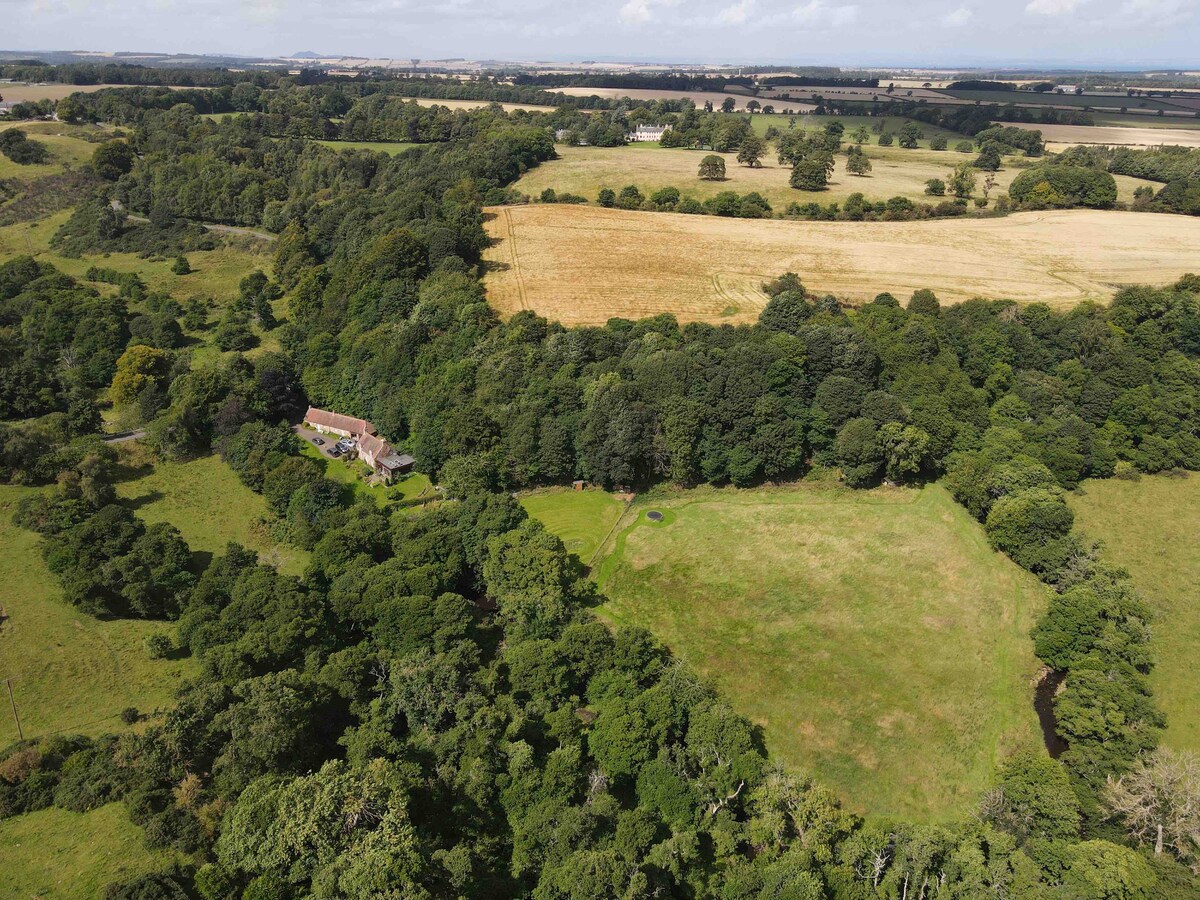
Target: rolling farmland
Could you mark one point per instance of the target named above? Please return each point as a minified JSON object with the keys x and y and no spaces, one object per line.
{"x":1059,"y":137}
{"x":583,"y":266}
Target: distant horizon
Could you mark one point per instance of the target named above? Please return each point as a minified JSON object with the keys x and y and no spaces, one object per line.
{"x":1079,"y":34}
{"x":999,"y":65}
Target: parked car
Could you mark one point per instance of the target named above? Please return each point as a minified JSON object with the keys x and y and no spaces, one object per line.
{"x":335,"y":452}
{"x":318,"y":441}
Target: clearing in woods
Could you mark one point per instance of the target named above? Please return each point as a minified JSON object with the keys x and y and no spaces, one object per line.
{"x":205,"y":501}
{"x":874,"y":635}
{"x":583,"y":265}
{"x":1147,"y":526}
{"x":580,"y":519}
{"x":70,"y":671}
{"x":53,"y":854}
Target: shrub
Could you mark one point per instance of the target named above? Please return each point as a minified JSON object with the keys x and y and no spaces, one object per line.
{"x":607,"y":198}
{"x":935,"y":187}
{"x":937,"y":142}
{"x":129,"y":715}
{"x":158,"y":646}
{"x":885,"y":139}
{"x":16,"y":146}
{"x":630,"y":198}
{"x":964,"y":147}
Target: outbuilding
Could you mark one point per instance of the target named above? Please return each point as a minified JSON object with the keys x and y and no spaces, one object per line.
{"x":326,"y":422}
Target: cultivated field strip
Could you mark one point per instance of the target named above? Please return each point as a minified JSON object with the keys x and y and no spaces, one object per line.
{"x":585,"y":265}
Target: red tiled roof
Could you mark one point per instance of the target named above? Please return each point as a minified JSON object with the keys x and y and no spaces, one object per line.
{"x":373,"y":446}
{"x":328,"y":419}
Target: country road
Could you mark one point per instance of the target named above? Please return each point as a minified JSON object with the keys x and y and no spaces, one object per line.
{"x":208,"y":226}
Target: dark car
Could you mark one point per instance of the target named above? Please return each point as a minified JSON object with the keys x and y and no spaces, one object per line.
{"x":318,"y":441}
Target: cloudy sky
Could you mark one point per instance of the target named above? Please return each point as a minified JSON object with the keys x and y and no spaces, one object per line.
{"x":869,"y":32}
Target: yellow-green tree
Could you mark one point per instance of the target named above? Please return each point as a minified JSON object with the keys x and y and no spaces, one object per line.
{"x":138,"y":368}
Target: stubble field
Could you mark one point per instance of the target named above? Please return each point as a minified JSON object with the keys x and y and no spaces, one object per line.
{"x":584,"y":265}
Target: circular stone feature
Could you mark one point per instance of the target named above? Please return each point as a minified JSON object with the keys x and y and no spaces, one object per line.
{"x":654,"y":515}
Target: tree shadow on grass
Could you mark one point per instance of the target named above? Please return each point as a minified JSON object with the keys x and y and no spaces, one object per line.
{"x":136,"y":503}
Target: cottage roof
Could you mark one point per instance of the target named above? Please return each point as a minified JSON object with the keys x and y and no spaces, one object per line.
{"x":328,"y":419}
{"x":373,"y":445}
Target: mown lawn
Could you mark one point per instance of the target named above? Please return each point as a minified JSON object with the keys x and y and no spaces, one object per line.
{"x":1149,"y":527}
{"x":875,"y":637}
{"x":580,"y":519}
{"x":70,"y":671}
{"x":209,"y":506}
{"x":353,"y":474}
{"x":53,"y":854}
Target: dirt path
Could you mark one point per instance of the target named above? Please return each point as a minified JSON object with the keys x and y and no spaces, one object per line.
{"x":207,"y":226}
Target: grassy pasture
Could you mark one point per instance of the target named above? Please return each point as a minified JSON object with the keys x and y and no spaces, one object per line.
{"x":895,"y":172}
{"x":389,"y":147}
{"x":584,"y":265}
{"x":215,"y":274}
{"x":874,"y":636}
{"x":209,"y":506}
{"x":65,"y":149}
{"x":71,"y":672}
{"x":580,"y":519}
{"x":1147,"y":526}
{"x":54,"y":854}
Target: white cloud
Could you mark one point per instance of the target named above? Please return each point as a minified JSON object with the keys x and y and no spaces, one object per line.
{"x":818,"y":13}
{"x":1053,"y":7}
{"x":958,"y":17}
{"x":635,"y":12}
{"x":1162,"y":12}
{"x":736,"y":14}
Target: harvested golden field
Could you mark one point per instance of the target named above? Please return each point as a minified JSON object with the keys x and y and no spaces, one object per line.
{"x":584,"y":265}
{"x":716,"y":98}
{"x":1058,"y":137}
{"x":894,"y":172}
{"x":475,"y":104}
{"x":21,"y":92}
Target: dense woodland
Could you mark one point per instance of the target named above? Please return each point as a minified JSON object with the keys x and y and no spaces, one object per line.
{"x":431,"y":710}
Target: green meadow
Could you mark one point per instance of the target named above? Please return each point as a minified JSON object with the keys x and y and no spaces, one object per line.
{"x":210,"y":507}
{"x":580,"y":519}
{"x":70,"y":671}
{"x":54,"y":854}
{"x":1149,"y":526}
{"x":874,"y":636}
